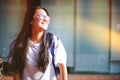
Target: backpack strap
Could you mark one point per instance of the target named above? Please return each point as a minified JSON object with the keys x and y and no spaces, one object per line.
{"x":52,"y":46}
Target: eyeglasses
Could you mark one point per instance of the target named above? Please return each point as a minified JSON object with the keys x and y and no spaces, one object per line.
{"x":43,"y":17}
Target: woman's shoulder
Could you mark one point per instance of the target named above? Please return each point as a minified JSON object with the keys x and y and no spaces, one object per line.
{"x":55,"y":38}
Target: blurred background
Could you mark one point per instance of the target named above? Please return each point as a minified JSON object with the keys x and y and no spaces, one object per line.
{"x":88,"y":29}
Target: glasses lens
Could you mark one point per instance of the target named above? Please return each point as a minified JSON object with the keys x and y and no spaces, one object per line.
{"x":41,"y":16}
{"x":47,"y":17}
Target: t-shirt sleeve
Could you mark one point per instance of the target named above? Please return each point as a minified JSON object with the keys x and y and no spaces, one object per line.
{"x":60,"y":53}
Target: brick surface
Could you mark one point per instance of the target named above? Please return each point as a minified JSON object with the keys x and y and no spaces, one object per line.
{"x":93,"y":77}
{"x":80,"y":77}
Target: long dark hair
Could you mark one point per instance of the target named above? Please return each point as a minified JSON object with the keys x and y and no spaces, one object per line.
{"x":19,"y":46}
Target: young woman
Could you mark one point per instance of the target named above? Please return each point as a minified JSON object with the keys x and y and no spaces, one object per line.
{"x":30,"y":55}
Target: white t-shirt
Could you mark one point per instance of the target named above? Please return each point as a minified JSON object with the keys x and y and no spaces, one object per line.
{"x":31,"y":71}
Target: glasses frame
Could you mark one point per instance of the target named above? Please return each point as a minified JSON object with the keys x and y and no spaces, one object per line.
{"x":43,"y":17}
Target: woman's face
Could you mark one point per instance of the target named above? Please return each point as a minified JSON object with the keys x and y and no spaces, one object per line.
{"x":40,"y":19}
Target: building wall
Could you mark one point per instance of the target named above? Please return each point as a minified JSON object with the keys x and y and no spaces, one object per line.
{"x":90,"y":37}
{"x":115,"y":37}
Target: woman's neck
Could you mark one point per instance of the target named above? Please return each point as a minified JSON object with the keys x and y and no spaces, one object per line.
{"x":37,"y":36}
